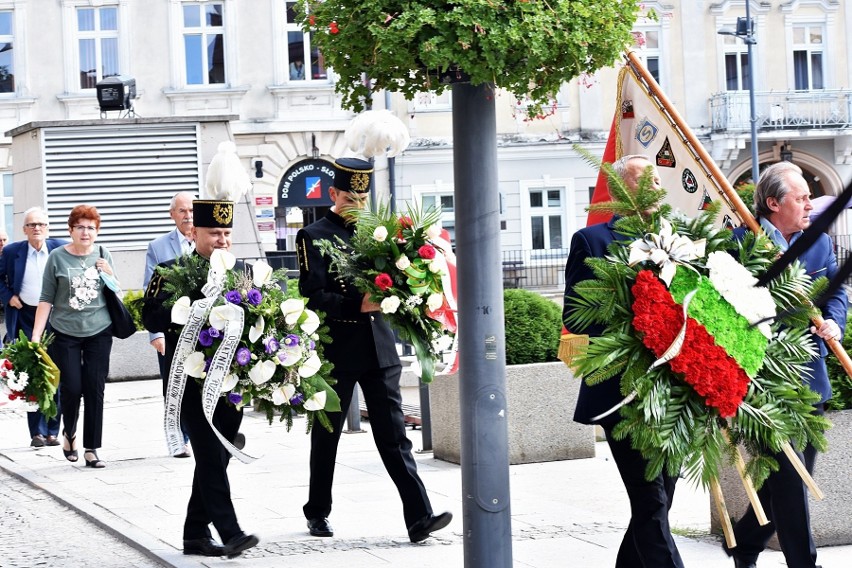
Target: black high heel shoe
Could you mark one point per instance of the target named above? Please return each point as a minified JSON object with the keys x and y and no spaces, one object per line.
{"x":95,"y":463}
{"x":70,"y":455}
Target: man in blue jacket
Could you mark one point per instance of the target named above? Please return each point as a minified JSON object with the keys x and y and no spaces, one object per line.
{"x":21,"y":270}
{"x":648,"y":540}
{"x":782,"y":205}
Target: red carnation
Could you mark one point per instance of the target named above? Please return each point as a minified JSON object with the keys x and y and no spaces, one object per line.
{"x":406,"y":222}
{"x":383,"y":281}
{"x":7,"y":364}
{"x":427,"y":252}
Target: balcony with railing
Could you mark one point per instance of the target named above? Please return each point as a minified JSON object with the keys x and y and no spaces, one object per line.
{"x":782,"y":110}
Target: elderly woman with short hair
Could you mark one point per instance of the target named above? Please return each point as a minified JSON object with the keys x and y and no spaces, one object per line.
{"x":72,"y":298}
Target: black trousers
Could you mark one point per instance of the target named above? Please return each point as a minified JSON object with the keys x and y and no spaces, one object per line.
{"x":83,"y":366}
{"x":784,"y":497}
{"x":648,"y":542}
{"x":210,"y":501}
{"x":384,"y":403}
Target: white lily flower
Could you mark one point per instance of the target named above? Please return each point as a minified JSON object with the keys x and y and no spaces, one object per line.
{"x":278,"y":397}
{"x":222,"y":261}
{"x":256,"y":331}
{"x":666,"y":249}
{"x":289,"y":356}
{"x":310,"y":367}
{"x":380,"y":233}
{"x":402,"y":262}
{"x":230,"y":382}
{"x":316,"y":402}
{"x":311,"y":323}
{"x":220,"y":315}
{"x":390,"y":305}
{"x":180,"y":310}
{"x":262,"y":372}
{"x":292,"y":309}
{"x":194,"y":364}
{"x":435,"y":301}
{"x":433,"y":232}
{"x":261,"y":273}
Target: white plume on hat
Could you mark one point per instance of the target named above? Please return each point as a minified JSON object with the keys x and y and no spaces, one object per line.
{"x":373,"y":132}
{"x":227,"y":180}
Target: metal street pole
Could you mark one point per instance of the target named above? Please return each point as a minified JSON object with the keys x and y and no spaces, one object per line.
{"x":482,"y":350}
{"x":750,"y":41}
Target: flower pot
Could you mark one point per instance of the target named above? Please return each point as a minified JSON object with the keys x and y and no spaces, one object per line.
{"x":540,"y":398}
{"x":830,"y":520}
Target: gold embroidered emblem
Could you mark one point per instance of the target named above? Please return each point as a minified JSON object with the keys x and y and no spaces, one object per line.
{"x":223,"y":213}
{"x":360,"y":183}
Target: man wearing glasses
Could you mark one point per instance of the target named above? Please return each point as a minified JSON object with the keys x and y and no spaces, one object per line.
{"x":21,"y":270}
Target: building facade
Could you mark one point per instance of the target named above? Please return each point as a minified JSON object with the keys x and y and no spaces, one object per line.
{"x":250,"y":61}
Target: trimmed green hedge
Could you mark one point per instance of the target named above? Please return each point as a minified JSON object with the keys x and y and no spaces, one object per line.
{"x":533,"y":325}
{"x":841,"y":383}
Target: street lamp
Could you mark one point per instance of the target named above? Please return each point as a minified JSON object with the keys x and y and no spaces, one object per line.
{"x":745,"y":32}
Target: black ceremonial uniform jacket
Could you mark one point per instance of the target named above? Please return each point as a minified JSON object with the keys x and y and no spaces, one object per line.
{"x":360,"y":341}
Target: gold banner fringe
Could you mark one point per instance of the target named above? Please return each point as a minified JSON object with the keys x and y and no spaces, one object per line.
{"x":570,"y":346}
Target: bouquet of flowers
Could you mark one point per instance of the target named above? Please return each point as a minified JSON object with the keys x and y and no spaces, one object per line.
{"x":402,"y":262}
{"x":276,"y":360}
{"x":29,"y":375}
{"x":706,"y":359}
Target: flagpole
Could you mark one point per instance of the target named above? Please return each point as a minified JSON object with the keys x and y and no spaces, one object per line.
{"x":704,"y":158}
{"x":723,"y":183}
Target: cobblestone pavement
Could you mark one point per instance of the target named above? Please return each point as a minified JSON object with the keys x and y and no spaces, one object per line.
{"x":36,"y":530}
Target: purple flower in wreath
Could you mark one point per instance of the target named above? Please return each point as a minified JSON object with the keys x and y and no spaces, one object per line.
{"x":204,"y":338}
{"x":233,"y":296}
{"x":297,"y":399}
{"x":235,"y":398}
{"x":214,"y":333}
{"x":271,"y":345}
{"x":313,"y":345}
{"x":291,"y":340}
{"x":207,"y":362}
{"x":254,"y":297}
{"x":243,"y":356}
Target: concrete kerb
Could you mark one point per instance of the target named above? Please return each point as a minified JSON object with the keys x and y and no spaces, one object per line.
{"x":126,"y":532}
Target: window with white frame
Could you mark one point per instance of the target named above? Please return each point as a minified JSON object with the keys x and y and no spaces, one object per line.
{"x":204,"y":43}
{"x":546,"y":215}
{"x":808,"y":51}
{"x":7,"y":60}
{"x":736,"y":64}
{"x":647,"y":42}
{"x":97,"y":44}
{"x":304,"y":61}
{"x":446,"y":202}
{"x":6,"y":202}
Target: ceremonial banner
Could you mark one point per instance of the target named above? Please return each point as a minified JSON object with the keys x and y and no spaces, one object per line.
{"x":646,"y":123}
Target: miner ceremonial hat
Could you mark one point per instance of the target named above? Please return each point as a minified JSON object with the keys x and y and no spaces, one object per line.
{"x":213,"y":214}
{"x":227,"y":182}
{"x":352,"y":174}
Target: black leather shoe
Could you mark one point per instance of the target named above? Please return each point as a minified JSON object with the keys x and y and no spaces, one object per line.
{"x":428,"y":524}
{"x":320,"y":527}
{"x":203,"y":547}
{"x":237,"y":544}
{"x":740,"y":563}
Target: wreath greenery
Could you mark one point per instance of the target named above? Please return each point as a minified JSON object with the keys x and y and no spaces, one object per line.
{"x":673,"y":425}
{"x":528,"y":47}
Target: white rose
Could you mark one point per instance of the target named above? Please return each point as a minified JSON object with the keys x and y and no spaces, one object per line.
{"x":435,"y":301}
{"x":390,"y":305}
{"x":402,"y":262}
{"x":438,"y":265}
{"x":380,"y":233}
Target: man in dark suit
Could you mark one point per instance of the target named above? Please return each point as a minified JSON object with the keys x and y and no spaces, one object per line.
{"x":363,"y":351}
{"x":782,"y":204}
{"x":210,"y":501}
{"x":21,"y":270}
{"x":173,"y":244}
{"x":648,"y":540}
